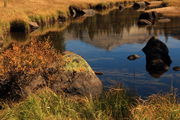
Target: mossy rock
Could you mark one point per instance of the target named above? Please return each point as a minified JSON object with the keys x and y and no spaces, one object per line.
{"x":77,"y":77}
{"x":74,"y":62}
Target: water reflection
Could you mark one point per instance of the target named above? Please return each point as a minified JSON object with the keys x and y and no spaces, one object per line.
{"x":105,"y":41}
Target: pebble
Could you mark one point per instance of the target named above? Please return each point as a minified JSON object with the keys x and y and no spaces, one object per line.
{"x":133,"y":57}
{"x":176,"y":68}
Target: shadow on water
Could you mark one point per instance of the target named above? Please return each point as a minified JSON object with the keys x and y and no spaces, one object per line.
{"x":105,"y":41}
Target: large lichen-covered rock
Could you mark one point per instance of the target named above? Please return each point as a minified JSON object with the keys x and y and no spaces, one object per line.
{"x":77,"y":77}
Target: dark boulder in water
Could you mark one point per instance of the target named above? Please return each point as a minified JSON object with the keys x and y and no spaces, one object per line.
{"x":157,"y":59}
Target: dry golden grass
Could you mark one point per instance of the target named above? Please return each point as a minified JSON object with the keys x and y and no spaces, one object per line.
{"x":173,"y":2}
{"x":22,"y":9}
{"x":157,"y":107}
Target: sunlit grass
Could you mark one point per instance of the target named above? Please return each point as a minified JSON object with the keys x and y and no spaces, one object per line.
{"x":42,"y":11}
{"x":46,"y":105}
{"x":115,"y":104}
{"x":173,"y":2}
{"x":157,"y":107}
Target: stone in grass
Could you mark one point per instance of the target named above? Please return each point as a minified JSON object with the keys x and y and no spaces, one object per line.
{"x":176,"y":68}
{"x":133,"y":57}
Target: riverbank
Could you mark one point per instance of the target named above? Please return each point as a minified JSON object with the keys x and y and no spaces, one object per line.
{"x":31,"y":13}
{"x":27,"y":15}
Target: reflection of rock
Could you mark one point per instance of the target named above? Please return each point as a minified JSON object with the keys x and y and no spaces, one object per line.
{"x":108,"y":31}
{"x":121,"y":7}
{"x":133,"y":57}
{"x":147,"y":18}
{"x":157,"y":58}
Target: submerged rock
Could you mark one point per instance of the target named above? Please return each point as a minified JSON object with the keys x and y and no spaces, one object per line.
{"x":157,"y":58}
{"x":133,"y":57}
{"x":176,"y":68}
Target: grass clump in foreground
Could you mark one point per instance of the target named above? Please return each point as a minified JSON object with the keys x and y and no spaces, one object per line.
{"x":157,"y":107}
{"x":113,"y":104}
{"x":46,"y":105}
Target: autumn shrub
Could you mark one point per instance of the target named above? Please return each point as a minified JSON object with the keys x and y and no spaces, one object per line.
{"x":30,"y":58}
{"x":25,"y":68}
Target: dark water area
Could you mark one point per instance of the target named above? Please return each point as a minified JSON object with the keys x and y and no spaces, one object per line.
{"x":105,"y":41}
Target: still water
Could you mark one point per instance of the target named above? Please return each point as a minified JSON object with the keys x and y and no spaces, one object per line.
{"x":106,"y":40}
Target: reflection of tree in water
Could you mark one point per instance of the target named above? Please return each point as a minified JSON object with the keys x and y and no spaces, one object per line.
{"x":167,"y":29}
{"x":115,"y":22}
{"x":57,"y":39}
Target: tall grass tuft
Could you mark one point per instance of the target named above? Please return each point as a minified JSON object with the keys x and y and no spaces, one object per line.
{"x":157,"y":107}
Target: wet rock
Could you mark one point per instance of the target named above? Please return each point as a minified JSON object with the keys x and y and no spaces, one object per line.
{"x":99,"y":73}
{"x":89,"y":12}
{"x":133,"y":57}
{"x":148,"y":18}
{"x":75,"y":11}
{"x":138,"y":5}
{"x":144,"y":22}
{"x":164,"y":20}
{"x":33,"y":25}
{"x":157,"y":57}
{"x":176,"y":68}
